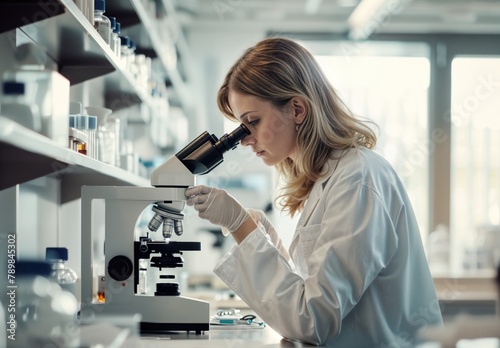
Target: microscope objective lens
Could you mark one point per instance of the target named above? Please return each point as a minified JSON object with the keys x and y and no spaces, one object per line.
{"x":168,"y":228}
{"x":179,"y":229}
{"x":155,"y":222}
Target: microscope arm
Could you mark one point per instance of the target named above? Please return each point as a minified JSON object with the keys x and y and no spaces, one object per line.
{"x":199,"y":157}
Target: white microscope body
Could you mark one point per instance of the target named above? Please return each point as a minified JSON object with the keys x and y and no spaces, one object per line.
{"x":132,"y":255}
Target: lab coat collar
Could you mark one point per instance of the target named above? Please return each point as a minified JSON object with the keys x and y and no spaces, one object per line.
{"x":317,"y":189}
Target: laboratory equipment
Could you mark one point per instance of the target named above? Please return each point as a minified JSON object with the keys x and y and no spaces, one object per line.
{"x":113,"y":39}
{"x":45,"y":314}
{"x":135,"y":256}
{"x":61,"y":273}
{"x":101,"y":22}
{"x":35,"y":95}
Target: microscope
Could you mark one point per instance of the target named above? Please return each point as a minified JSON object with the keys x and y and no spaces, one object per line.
{"x":136,"y":254}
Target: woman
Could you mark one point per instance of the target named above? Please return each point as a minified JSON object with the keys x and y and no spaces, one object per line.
{"x":355,"y":274}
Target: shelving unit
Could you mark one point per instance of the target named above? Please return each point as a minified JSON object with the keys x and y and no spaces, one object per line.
{"x":26,"y":155}
{"x":139,"y":23}
{"x":70,"y":40}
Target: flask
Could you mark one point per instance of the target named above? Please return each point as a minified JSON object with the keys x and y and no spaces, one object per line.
{"x":45,"y":313}
{"x":60,"y":272}
{"x":102,"y":23}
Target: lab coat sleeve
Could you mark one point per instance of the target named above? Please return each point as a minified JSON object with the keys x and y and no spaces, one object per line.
{"x":356,"y":242}
{"x":260,"y":217}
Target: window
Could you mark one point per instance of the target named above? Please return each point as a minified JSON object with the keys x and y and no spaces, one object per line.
{"x":475,"y":163}
{"x":388,"y":84}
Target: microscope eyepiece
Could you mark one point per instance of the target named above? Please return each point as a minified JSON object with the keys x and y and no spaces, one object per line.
{"x":205,"y":152}
{"x":230,"y":141}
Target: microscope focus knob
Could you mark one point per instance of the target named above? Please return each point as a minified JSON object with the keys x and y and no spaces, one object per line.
{"x":120,"y":268}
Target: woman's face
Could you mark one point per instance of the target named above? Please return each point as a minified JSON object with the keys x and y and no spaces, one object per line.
{"x":273,"y":135}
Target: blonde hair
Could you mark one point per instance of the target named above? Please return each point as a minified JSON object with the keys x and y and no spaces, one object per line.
{"x":278,"y":69}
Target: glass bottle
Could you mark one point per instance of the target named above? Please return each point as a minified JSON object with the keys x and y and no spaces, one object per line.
{"x":82,"y":124}
{"x":112,"y":33}
{"x":125,"y":52}
{"x":45,"y":313}
{"x":117,"y":39}
{"x":105,"y":142}
{"x":102,"y":23}
{"x":93,"y":136}
{"x":60,"y":272}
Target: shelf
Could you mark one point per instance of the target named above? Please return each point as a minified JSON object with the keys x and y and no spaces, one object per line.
{"x":16,"y":13}
{"x":81,"y":54}
{"x":140,"y":24}
{"x":26,"y":155}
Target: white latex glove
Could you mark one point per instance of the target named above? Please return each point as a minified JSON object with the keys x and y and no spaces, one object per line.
{"x":217,"y":206}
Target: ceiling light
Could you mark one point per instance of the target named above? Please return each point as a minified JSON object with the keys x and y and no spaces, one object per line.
{"x":372,"y":15}
{"x":312,"y":6}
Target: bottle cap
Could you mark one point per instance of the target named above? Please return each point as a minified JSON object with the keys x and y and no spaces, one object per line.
{"x":118,"y":27}
{"x":13,"y":88}
{"x":33,"y":268}
{"x":82,"y":122}
{"x":125,"y":41}
{"x":71,"y":121}
{"x":113,"y":23}
{"x":92,"y":122}
{"x":56,"y":254}
{"x":100,"y":5}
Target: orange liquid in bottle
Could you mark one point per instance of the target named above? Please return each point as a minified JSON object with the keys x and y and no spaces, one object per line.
{"x":101,"y":297}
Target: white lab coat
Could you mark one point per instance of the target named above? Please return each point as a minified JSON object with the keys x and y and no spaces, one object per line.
{"x":358,"y":276}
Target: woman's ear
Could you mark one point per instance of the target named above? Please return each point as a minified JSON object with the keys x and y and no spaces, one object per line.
{"x":300,"y":109}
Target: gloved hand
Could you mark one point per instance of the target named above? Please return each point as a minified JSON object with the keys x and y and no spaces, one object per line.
{"x":217,"y":206}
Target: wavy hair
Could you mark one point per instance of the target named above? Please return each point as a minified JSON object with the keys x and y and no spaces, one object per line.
{"x":278,"y":69}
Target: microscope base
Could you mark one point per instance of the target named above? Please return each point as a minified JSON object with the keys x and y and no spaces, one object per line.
{"x":158,"y":313}
{"x":158,"y":328}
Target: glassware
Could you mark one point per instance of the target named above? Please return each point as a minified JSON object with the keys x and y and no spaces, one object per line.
{"x":45,"y":313}
{"x":61,"y":273}
{"x":102,"y":23}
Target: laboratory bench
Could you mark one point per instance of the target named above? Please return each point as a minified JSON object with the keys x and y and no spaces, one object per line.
{"x":468,"y":294}
{"x":241,"y":336}
{"x":228,"y":337}
{"x":221,"y":336}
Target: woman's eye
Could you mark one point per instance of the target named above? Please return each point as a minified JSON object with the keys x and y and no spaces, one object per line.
{"x":253,"y":122}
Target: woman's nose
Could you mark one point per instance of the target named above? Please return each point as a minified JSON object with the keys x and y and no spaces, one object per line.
{"x":247,"y":140}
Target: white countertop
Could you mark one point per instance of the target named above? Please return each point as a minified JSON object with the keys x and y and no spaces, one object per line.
{"x":218,"y":337}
